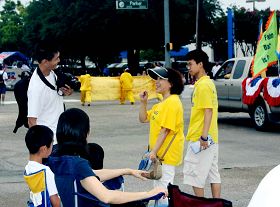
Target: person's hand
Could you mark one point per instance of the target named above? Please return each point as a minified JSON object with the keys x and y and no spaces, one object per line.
{"x":143,"y":97}
{"x":138,"y":174}
{"x":203,"y":144}
{"x":152,"y":155}
{"x":67,"y":91}
{"x":158,"y":190}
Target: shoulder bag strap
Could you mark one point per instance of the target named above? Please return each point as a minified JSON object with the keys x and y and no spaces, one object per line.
{"x":43,"y":78}
{"x":167,"y":148}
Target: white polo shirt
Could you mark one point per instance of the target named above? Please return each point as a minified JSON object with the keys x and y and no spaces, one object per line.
{"x":43,"y":102}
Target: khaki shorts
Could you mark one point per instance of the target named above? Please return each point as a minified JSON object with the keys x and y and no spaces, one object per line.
{"x":201,"y":166}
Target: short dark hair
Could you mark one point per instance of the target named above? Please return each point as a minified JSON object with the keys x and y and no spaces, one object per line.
{"x":72,"y":131}
{"x":199,"y":56}
{"x":176,"y":80}
{"x":38,"y":136}
{"x":45,"y":50}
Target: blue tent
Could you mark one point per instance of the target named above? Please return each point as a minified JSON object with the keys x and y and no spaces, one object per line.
{"x":182,"y":52}
{"x":123,"y":54}
{"x":10,"y":57}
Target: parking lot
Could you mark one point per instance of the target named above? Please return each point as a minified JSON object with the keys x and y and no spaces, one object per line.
{"x":246,"y":155}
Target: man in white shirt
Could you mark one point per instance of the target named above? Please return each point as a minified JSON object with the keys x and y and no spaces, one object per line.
{"x":215,"y":68}
{"x":45,"y":104}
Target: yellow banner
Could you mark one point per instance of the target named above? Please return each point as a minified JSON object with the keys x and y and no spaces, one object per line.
{"x":108,"y":88}
{"x":265,"y":55}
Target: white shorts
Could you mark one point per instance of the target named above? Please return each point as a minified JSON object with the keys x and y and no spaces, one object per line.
{"x":168,"y":174}
{"x":201,"y":166}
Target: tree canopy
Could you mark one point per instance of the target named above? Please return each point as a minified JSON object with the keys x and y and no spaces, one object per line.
{"x":96,"y":29}
{"x":11,"y":25}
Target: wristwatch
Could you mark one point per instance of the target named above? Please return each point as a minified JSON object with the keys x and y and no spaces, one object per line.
{"x":59,"y":92}
{"x":204,"y":139}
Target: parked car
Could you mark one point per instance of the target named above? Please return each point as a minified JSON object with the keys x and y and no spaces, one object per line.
{"x":116,"y":69}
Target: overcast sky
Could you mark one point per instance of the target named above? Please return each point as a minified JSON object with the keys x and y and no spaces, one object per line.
{"x":273,"y":4}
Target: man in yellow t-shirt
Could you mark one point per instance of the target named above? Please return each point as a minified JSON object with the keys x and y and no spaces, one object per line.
{"x":85,"y":89}
{"x":203,"y":127}
{"x":126,"y":81}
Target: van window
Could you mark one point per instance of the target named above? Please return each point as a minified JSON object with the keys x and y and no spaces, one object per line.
{"x":239,"y":68}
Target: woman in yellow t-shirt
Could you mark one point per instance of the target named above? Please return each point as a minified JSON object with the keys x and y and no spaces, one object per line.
{"x":166,"y":121}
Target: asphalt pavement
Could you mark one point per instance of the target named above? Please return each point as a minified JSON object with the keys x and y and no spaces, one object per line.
{"x":243,"y":162}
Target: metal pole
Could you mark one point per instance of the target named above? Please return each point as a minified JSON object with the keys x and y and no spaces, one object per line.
{"x":198,"y":42}
{"x":278,"y":68}
{"x":230,"y":33}
{"x":166,"y":32}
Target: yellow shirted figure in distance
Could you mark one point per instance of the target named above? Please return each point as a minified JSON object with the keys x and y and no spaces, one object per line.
{"x":126,"y":82}
{"x":85,"y":89}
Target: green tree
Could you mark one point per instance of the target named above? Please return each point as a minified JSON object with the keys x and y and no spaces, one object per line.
{"x":90,"y":28}
{"x":247,"y":28}
{"x":96,"y":29}
{"x":151,"y":54}
{"x":11,"y":26}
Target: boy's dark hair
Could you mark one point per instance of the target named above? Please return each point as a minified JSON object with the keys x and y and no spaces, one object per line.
{"x":176,"y":80}
{"x":45,"y":50}
{"x":72,"y":131}
{"x":199,"y":56}
{"x":38,"y":136}
{"x":96,"y":161}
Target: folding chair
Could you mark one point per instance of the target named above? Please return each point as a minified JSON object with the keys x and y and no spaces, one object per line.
{"x":72,"y":194}
{"x":155,"y":198}
{"x":180,"y":199}
{"x":116,"y":184}
{"x":37,"y":184}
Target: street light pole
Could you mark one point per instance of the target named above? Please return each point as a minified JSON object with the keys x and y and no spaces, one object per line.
{"x":254,"y":3}
{"x":166,"y":33}
{"x":198,"y":40}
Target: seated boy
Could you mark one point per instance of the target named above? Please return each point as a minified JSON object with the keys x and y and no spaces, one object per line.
{"x":39,"y":141}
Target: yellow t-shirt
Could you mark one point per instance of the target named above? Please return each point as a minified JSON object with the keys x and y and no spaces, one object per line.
{"x":168,"y":114}
{"x":204,"y":96}
{"x":126,"y":80}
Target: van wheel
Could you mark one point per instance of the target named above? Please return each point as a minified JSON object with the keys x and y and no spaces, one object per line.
{"x":259,"y":116}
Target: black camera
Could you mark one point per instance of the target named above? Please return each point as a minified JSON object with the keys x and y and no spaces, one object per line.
{"x":67,"y":79}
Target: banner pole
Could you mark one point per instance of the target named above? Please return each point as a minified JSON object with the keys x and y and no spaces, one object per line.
{"x":278,"y":68}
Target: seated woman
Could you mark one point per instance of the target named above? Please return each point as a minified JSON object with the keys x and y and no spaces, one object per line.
{"x":74,"y":173}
